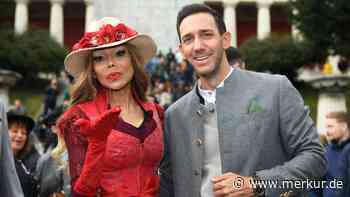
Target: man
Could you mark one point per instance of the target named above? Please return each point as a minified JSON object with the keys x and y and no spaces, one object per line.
{"x":235,"y":126}
{"x":9,"y":183}
{"x":18,"y":107}
{"x":51,"y":95}
{"x":234,"y":58}
{"x":337,"y":154}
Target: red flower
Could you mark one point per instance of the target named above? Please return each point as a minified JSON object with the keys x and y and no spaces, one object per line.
{"x":86,"y":41}
{"x":105,"y":35}
{"x":120,"y":32}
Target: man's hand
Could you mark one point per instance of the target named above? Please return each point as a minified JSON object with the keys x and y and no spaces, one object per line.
{"x":232,"y":185}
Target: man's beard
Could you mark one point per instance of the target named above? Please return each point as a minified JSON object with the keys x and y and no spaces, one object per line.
{"x":216,"y":69}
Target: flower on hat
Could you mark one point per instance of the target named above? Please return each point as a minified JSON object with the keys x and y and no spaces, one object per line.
{"x":105,"y":35}
{"x":85,"y":42}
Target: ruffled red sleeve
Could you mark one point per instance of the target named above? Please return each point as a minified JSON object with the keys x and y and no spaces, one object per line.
{"x":76,"y":143}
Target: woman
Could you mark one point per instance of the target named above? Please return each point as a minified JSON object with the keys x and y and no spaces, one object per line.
{"x":113,"y":135}
{"x":52,"y":171}
{"x":10,"y":185}
{"x":25,"y":154}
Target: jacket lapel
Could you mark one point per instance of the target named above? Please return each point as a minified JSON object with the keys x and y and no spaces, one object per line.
{"x":195,"y":137}
{"x":231,"y":113}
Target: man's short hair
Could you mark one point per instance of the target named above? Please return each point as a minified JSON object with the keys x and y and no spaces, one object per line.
{"x":340,"y":116}
{"x":199,"y":8}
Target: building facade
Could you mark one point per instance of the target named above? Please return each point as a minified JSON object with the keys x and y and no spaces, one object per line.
{"x":244,"y":18}
{"x":66,"y":19}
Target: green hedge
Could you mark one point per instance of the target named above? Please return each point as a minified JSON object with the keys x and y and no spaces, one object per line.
{"x":277,"y":54}
{"x":30,"y":53}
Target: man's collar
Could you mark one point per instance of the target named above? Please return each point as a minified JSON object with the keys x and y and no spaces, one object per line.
{"x":198,"y":89}
{"x":340,"y":144}
{"x":221,"y":84}
{"x":201,"y":99}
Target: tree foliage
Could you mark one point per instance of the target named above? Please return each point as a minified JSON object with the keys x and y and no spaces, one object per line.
{"x":277,"y":54}
{"x":324,"y":23}
{"x":30,"y":53}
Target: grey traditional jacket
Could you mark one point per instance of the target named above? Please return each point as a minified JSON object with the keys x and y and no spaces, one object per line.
{"x":9,"y":183}
{"x":264,"y":129}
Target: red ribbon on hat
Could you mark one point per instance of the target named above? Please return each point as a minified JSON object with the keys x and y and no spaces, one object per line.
{"x":105,"y":35}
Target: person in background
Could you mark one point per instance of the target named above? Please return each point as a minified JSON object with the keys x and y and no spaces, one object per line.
{"x":64,"y":82}
{"x":25,"y":154}
{"x":18,"y":107}
{"x":52,"y":168}
{"x":337,"y":155}
{"x":234,"y":57}
{"x":114,"y":136}
{"x":43,"y":129}
{"x":9,"y":182}
{"x":165,"y":96}
{"x":51,"y":97}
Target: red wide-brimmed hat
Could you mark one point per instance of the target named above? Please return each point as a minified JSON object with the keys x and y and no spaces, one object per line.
{"x":104,"y":33}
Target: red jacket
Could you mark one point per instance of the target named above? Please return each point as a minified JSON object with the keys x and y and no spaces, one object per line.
{"x":117,"y":164}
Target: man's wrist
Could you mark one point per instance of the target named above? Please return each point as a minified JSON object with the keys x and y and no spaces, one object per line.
{"x":258,"y":190}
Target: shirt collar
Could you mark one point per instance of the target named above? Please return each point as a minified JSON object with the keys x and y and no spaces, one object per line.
{"x":209,"y":96}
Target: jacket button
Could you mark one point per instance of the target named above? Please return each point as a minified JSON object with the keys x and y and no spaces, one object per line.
{"x":196,"y":172}
{"x":198,"y":142}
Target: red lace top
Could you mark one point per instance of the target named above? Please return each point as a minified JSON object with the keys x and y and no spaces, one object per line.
{"x":77,"y":145}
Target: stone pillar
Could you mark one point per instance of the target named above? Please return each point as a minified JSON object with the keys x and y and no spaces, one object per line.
{"x":4,"y":97}
{"x":230,"y":19}
{"x":21,"y":16}
{"x":7,"y":79}
{"x":328,"y":102}
{"x":264,"y":18}
{"x":89,"y":13}
{"x":56,"y":20}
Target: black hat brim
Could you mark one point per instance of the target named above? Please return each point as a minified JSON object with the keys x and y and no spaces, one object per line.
{"x":28,"y":121}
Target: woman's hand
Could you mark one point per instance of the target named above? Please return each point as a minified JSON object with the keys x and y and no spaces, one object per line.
{"x":96,"y":131}
{"x":101,"y":126}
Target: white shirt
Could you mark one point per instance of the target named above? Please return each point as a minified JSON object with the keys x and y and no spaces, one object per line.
{"x":212,"y":158}
{"x":209,"y":96}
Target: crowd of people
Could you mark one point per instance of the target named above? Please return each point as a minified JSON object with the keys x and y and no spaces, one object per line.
{"x":182,"y":124}
{"x":170,"y":78}
{"x":39,"y":173}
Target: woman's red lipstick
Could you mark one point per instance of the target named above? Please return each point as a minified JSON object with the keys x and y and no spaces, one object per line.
{"x":113,"y":76}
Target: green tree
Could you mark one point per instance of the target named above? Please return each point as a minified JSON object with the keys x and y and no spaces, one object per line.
{"x":30,"y":53}
{"x":325,"y":24}
{"x":277,"y":54}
